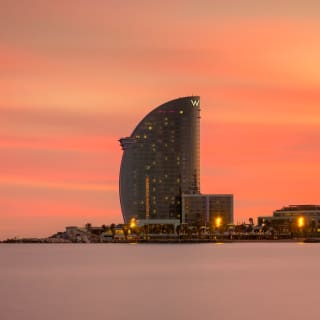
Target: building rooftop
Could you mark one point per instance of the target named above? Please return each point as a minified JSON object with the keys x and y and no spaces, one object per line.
{"x":300,"y":207}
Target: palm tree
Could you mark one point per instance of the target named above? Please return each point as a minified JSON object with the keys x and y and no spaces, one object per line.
{"x":136,"y":230}
{"x":112,"y":228}
{"x":125,"y":229}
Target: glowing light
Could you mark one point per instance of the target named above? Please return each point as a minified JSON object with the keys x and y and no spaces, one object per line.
{"x":301,"y":222}
{"x":218,"y":222}
{"x":133,"y":223}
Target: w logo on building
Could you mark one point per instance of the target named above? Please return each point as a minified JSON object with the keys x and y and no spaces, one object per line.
{"x":195,"y":103}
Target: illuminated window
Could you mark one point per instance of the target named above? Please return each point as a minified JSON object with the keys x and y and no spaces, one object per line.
{"x":181,"y":111}
{"x":145,"y":136}
{"x":150,"y":128}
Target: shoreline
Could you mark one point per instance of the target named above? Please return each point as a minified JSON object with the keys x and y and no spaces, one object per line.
{"x":173,"y":241}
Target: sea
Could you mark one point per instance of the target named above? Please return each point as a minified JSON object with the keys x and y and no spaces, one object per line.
{"x":230,"y":281}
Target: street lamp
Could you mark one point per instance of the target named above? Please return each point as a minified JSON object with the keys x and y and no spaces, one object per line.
{"x":133,"y":223}
{"x":217,"y":225}
{"x":218,"y":222}
{"x":301,"y":222}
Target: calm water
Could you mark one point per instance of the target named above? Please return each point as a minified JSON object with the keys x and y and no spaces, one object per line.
{"x":197,"y":281}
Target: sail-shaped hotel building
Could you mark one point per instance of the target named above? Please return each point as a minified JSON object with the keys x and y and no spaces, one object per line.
{"x":161,"y":162}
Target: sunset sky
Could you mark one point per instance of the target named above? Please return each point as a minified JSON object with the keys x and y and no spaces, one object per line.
{"x":76,"y":75}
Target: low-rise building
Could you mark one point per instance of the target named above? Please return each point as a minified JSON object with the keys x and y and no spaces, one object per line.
{"x":294,"y":217}
{"x":207,"y":209}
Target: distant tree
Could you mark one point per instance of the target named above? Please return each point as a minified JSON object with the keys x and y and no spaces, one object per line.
{"x":249,"y":228}
{"x":88,"y":226}
{"x":125,"y":229}
{"x":251,"y":221}
{"x":267,"y":225}
{"x":112,"y":228}
{"x":136,"y":230}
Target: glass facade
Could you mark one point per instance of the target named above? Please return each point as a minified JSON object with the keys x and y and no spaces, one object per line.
{"x":161,"y":161}
{"x":203,"y":209}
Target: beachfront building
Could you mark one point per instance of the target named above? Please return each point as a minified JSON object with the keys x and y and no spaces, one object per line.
{"x":294,"y":218}
{"x":161,"y":161}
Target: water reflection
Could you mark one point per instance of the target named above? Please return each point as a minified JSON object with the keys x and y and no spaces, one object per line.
{"x":150,"y":281}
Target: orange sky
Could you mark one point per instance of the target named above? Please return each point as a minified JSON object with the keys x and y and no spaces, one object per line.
{"x":76,"y":75}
